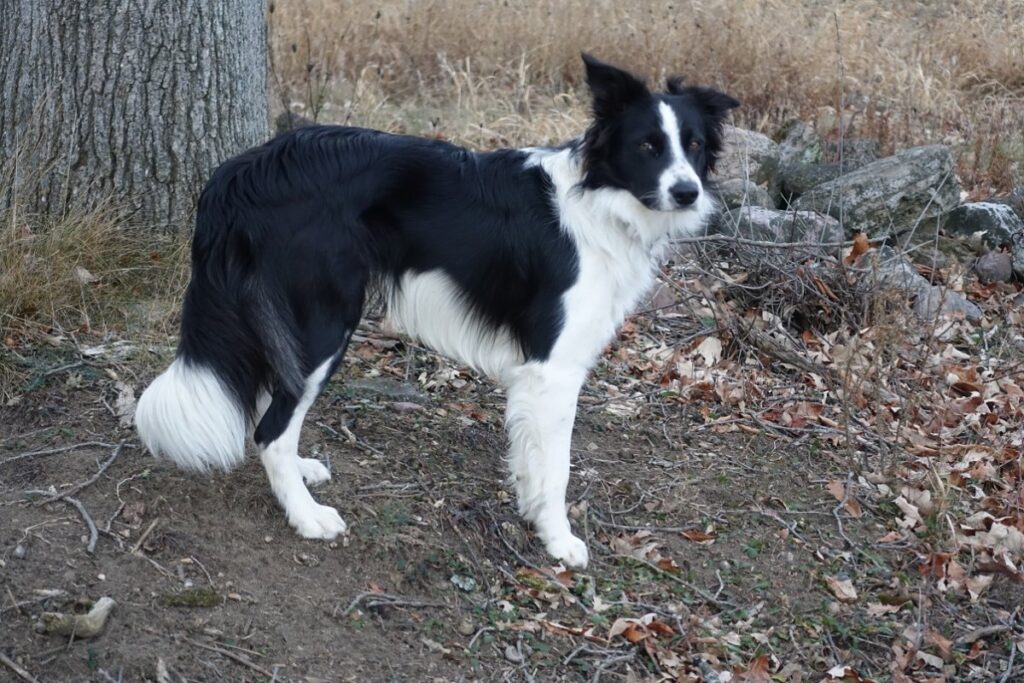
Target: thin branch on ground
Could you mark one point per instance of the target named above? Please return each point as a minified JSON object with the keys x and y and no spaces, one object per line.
{"x":13,"y":666}
{"x":86,"y":517}
{"x":62,"y":449}
{"x":383,"y":600}
{"x":235,"y":657}
{"x":88,"y":482}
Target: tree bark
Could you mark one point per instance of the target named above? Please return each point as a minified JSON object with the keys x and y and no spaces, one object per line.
{"x":136,"y":100}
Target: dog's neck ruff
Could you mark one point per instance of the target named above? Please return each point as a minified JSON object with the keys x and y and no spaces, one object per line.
{"x":612,"y":219}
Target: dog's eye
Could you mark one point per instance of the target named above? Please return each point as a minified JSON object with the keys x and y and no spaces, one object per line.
{"x":695,"y":145}
{"x":648,"y":147}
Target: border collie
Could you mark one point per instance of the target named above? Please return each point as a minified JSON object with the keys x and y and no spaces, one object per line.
{"x":518,"y":263}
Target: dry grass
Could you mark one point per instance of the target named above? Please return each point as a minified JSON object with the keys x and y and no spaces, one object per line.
{"x":487,"y":73}
{"x":80,"y":274}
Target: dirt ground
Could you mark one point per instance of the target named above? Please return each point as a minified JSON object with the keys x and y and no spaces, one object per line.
{"x":730,"y":544}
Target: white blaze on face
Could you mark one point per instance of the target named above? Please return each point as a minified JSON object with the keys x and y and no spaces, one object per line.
{"x":679,"y":168}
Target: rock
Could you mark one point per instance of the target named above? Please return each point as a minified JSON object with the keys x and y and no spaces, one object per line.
{"x":758,"y":223}
{"x":799,"y":143}
{"x":895,"y":192}
{"x":795,"y":178}
{"x":20,"y":552}
{"x":930,"y":257}
{"x":937,"y":300}
{"x":895,"y":272}
{"x":659,"y":298}
{"x":747,"y":155}
{"x":856,"y":152}
{"x":513,"y":655}
{"x":994,"y":266}
{"x":736,"y":192}
{"x":997,"y":222}
{"x":464,"y":583}
{"x":1014,"y":200}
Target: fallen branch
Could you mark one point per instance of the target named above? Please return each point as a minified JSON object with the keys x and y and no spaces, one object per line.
{"x":244,"y":661}
{"x":10,"y":664}
{"x":383,"y":600}
{"x":717,"y":602}
{"x":144,"y":536}
{"x":44,"y":595}
{"x":979,"y":633}
{"x":54,"y":451}
{"x":88,"y":482}
{"x":94,"y":533}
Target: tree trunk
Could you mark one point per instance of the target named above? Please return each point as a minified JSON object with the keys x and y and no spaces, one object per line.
{"x":138,"y":101}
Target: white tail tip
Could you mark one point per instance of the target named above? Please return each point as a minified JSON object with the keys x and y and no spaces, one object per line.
{"x":188,"y":415}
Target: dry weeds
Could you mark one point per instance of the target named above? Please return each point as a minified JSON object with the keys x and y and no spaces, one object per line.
{"x":484,"y":73}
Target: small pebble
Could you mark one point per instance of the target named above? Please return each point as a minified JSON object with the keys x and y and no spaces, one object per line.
{"x":463,"y":583}
{"x":466,"y":627}
{"x":101,"y":577}
{"x":512,"y":654}
{"x":268,"y":539}
{"x":20,"y":552}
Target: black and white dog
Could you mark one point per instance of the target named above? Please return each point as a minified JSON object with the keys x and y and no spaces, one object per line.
{"x":518,"y":263}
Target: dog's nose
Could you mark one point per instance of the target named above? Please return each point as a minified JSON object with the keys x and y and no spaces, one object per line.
{"x":684,"y":193}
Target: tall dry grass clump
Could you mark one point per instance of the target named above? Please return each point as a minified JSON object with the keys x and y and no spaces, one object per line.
{"x":488,"y":72}
{"x":77,"y":274}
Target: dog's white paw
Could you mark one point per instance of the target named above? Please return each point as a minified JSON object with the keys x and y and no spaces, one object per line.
{"x":570,"y":550}
{"x":313,"y":471}
{"x":319,"y":521}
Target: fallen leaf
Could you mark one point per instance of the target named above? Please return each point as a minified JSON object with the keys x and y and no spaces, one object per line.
{"x":842,"y":588}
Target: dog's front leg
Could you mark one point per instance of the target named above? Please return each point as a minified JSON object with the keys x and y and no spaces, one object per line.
{"x":541,"y":412}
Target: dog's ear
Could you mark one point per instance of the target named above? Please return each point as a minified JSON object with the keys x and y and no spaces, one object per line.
{"x":612,"y":88}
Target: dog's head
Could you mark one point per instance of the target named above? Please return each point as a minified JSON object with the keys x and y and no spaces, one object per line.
{"x":657,"y":146}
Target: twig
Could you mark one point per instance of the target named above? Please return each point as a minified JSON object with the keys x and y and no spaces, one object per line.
{"x":51,"y":594}
{"x":608,"y":663}
{"x":144,"y":536}
{"x":88,"y":482}
{"x":244,"y":661}
{"x":1009,"y":665}
{"x":842,"y":503}
{"x":728,"y":239}
{"x":383,"y":600}
{"x":10,"y":664}
{"x":62,"y":449}
{"x":476,"y":635}
{"x":979,"y":633}
{"x":93,"y":531}
{"x":682,"y":582}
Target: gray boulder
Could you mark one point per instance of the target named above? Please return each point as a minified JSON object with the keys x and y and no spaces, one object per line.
{"x":799,"y":143}
{"x":794,"y":178}
{"x":807,"y":228}
{"x":855,"y":152}
{"x":893,"y":271}
{"x":994,"y":266}
{"x":736,"y":192}
{"x":1014,"y":200}
{"x":895,"y":192}
{"x":999,"y":225}
{"x":747,"y":155}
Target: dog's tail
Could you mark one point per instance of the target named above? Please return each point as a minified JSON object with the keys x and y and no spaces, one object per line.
{"x":237,"y":344}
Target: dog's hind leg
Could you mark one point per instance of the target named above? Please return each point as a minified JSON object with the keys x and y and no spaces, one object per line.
{"x":333,"y":308}
{"x":541,"y":412}
{"x":278,"y":438}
